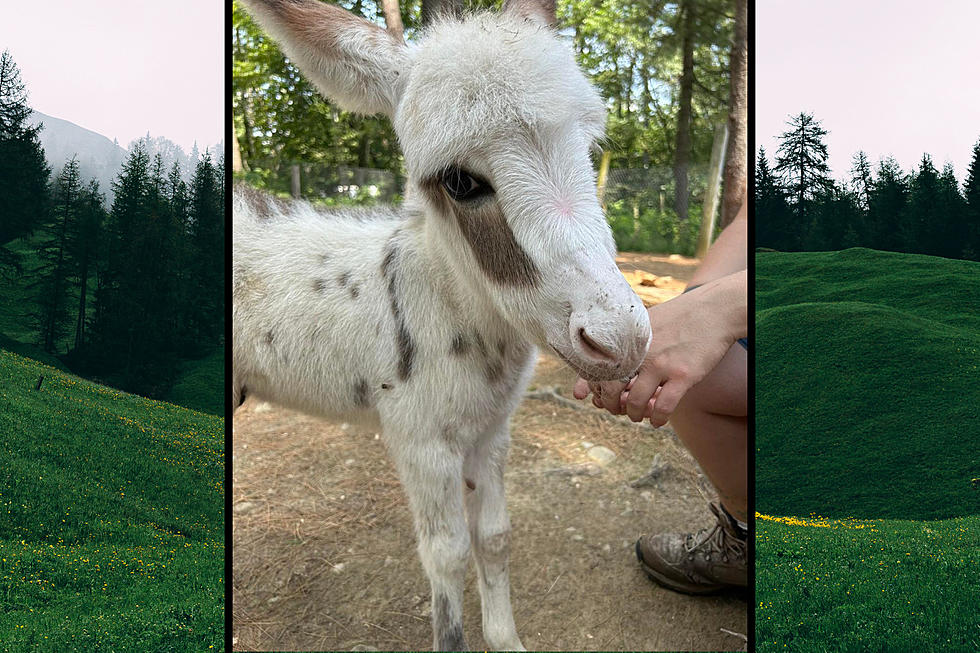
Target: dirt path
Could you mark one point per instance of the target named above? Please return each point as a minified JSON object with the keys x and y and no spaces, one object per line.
{"x":324,"y":554}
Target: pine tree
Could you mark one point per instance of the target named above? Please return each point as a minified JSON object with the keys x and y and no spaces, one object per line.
{"x":861,"y":179}
{"x":84,"y":247}
{"x":801,"y":163}
{"x":952,"y":229}
{"x":923,"y":221}
{"x":971,"y":191}
{"x":24,"y":193}
{"x":206,"y":252}
{"x":774,"y":222}
{"x":53,"y":286}
{"x":887,"y":208}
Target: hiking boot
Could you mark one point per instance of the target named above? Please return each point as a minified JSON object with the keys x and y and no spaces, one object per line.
{"x":709,"y":561}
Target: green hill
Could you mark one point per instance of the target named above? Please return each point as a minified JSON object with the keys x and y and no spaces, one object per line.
{"x":112,"y":514}
{"x":867,"y":384}
{"x":200,"y":383}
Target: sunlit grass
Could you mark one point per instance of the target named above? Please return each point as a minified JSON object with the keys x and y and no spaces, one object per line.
{"x":111,"y":508}
{"x":867,"y":585}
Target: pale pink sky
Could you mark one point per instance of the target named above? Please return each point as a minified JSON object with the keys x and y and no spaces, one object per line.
{"x":121,"y":68}
{"x":890,"y":77}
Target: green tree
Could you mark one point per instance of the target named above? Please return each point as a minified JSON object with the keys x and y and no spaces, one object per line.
{"x":971,"y":191}
{"x":53,"y":285}
{"x":84,"y":246}
{"x":775,"y":224}
{"x":801,"y":163}
{"x":886,"y":208}
{"x":206,"y":237}
{"x":24,"y":193}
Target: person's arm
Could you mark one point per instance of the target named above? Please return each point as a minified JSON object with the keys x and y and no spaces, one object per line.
{"x":691,"y":334}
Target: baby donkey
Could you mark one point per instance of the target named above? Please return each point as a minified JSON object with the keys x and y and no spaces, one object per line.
{"x":427,"y":315}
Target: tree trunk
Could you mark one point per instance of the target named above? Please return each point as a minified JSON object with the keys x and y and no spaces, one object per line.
{"x":393,"y":19}
{"x":432,"y":9}
{"x":736,"y":159}
{"x":682,"y":151}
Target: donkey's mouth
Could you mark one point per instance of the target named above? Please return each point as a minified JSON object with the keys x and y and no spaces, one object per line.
{"x":594,"y":372}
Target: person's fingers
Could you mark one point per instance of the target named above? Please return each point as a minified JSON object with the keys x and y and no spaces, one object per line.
{"x":611,"y":391}
{"x":581,"y":389}
{"x":643,"y":388}
{"x":666,"y":402}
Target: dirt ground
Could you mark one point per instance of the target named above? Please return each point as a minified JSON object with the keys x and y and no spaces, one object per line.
{"x":324,"y":552}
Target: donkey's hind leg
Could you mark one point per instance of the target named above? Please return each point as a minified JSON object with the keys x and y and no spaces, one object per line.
{"x":489,"y":525}
{"x":430,"y":471}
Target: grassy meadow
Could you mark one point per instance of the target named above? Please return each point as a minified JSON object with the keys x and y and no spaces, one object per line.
{"x":868,"y":412}
{"x":112,"y":514}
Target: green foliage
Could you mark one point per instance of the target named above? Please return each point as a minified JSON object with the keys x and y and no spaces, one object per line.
{"x":882,"y":585}
{"x":23,"y":170}
{"x":113,"y":518}
{"x":639,"y":228}
{"x":867,"y":398}
{"x":631,"y":51}
{"x":197,"y":381}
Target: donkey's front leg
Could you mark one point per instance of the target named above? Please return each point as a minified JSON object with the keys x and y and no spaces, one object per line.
{"x":430,"y":472}
{"x":486,"y":509}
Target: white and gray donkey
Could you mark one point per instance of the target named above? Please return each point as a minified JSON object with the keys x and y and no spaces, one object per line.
{"x":427,"y":315}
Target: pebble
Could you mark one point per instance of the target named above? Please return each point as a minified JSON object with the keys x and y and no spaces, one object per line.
{"x":339,"y":567}
{"x":264,"y":407}
{"x":244,"y":506}
{"x":601,"y":454}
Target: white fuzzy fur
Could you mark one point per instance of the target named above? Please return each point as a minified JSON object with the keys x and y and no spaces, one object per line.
{"x":500,"y":95}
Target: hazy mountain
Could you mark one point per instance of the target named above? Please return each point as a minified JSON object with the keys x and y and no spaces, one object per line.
{"x":98,"y":157}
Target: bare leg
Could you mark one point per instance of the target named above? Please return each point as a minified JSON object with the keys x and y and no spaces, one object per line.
{"x":430,"y":473}
{"x":711,"y":422}
{"x":486,"y":510}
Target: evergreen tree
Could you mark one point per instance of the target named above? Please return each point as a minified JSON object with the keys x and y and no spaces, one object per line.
{"x":24,"y":193}
{"x":861,"y":180}
{"x":801,"y":163}
{"x":206,"y":252}
{"x":84,"y":248}
{"x":952,"y":229}
{"x":971,"y":191}
{"x":53,"y":286}
{"x":886,"y":210}
{"x":923,"y":220}
{"x":774,"y":222}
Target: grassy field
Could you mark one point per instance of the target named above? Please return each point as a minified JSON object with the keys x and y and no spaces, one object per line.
{"x":200,"y":383}
{"x":880,"y":585}
{"x":868,"y":411}
{"x":868,"y":399}
{"x":112,"y":513}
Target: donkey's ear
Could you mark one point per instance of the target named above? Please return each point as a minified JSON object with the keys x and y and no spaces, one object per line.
{"x":352,"y":61}
{"x":540,"y":11}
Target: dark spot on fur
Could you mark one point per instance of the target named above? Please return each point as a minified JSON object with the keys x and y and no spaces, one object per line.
{"x":354,"y":291}
{"x":269,"y":338}
{"x":403,"y":339}
{"x":362,"y":397}
{"x":449,"y":628}
{"x":319,"y":285}
{"x":470,"y":484}
{"x":460,"y":345}
{"x":343,"y":279}
{"x":385,"y":386}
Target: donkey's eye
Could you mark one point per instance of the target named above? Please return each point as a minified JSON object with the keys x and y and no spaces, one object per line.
{"x":463,"y":186}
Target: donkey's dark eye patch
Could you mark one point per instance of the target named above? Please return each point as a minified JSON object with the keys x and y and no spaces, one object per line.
{"x":463,"y":186}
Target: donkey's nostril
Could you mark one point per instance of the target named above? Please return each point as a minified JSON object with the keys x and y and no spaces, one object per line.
{"x":593,"y":348}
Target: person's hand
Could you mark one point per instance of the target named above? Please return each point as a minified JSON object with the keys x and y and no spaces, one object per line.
{"x":691,"y":334}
